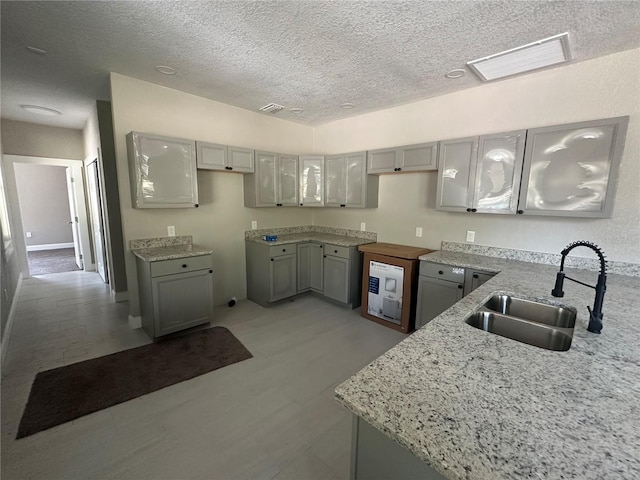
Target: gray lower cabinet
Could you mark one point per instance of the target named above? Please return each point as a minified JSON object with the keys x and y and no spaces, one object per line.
{"x":275,"y":272}
{"x":175,"y":294}
{"x":439,"y":287}
{"x":271,"y":272}
{"x":342,"y":268}
{"x":474,"y":278}
{"x":374,"y":456}
{"x":310,"y":268}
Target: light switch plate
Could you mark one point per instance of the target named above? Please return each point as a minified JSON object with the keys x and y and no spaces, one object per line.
{"x":418,"y":231}
{"x":363,"y":226}
{"x":254,"y":224}
{"x":28,"y":234}
{"x":471,"y":236}
{"x":171,"y":231}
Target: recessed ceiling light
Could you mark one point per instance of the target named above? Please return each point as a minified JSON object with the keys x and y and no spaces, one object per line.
{"x":39,"y":51}
{"x":347,"y":106}
{"x":166,"y":70}
{"x":49,"y":112}
{"x":456,"y":73}
{"x":540,"y":54}
{"x":296,"y":110}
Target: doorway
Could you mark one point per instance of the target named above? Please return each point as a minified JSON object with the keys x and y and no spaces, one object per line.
{"x":97,"y":219}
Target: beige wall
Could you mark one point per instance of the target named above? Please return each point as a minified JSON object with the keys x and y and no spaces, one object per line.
{"x":221,"y":219}
{"x":44,"y":203}
{"x":601,"y":88}
{"x":28,"y":139}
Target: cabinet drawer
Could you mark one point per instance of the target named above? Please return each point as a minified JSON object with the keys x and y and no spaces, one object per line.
{"x":336,"y":250}
{"x":180,"y":265}
{"x":439,"y":270}
{"x":279,"y":250}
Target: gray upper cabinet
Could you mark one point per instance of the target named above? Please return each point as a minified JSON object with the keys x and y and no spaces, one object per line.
{"x":162,"y":171}
{"x":274,"y":182}
{"x":481,"y":174}
{"x":212,"y":156}
{"x":411,"y":158}
{"x":347,"y":183}
{"x":571,"y":170}
{"x":311,"y":168}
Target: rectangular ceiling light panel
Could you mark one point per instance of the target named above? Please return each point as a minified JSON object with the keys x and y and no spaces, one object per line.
{"x":272,"y":108}
{"x":540,"y":54}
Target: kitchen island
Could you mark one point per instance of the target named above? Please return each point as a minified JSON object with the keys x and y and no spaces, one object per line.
{"x":474,"y":405}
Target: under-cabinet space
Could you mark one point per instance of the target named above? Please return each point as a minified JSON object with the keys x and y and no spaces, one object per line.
{"x":162,"y":171}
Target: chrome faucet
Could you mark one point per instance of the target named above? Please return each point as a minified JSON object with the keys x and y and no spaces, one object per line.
{"x":595,"y":315}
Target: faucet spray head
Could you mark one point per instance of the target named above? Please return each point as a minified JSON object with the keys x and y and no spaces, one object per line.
{"x":557,"y":290}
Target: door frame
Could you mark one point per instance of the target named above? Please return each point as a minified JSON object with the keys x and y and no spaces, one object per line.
{"x":14,"y":206}
{"x":101,"y":220}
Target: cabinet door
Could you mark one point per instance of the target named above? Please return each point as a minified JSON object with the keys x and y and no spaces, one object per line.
{"x":287,"y":180}
{"x":282,"y":277}
{"x":336,"y":278}
{"x":240,"y":159}
{"x":456,"y":160}
{"x":163,"y":171}
{"x":304,"y":266}
{"x":420,"y":157}
{"x":356,"y":175}
{"x":382,"y":161}
{"x":211,"y":156}
{"x":182,"y":300}
{"x":316,"y":267}
{"x":434,"y":297}
{"x":474,"y":279}
{"x":571,"y":170}
{"x":498,"y":170}
{"x":335,"y":181}
{"x":311,"y":170}
{"x":265,"y":178}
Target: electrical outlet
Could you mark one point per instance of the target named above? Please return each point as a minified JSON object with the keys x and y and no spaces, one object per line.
{"x":418,"y":231}
{"x":171,"y":231}
{"x":363,"y":226}
{"x":254,"y":224}
{"x":28,"y":234}
{"x":471,"y":236}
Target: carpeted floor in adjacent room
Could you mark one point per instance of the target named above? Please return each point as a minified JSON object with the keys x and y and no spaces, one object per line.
{"x":59,"y":260}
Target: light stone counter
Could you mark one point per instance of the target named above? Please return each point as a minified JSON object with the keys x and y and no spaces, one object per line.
{"x":166,"y":248}
{"x":312,"y":233}
{"x":474,"y":405}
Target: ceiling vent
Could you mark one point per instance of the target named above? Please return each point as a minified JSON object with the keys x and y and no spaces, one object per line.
{"x":271,"y":108}
{"x":540,"y":54}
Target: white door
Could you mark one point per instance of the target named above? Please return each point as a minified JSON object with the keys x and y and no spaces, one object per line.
{"x":97,"y":229}
{"x":73,"y":210}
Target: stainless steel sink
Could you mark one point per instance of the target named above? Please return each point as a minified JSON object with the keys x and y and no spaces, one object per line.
{"x":538,"y":324}
{"x":564,"y":317}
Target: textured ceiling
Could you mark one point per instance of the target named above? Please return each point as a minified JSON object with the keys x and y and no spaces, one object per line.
{"x":314,"y":55}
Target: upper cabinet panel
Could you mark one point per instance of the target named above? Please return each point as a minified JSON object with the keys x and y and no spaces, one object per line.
{"x":311,"y":168}
{"x":213,"y":156}
{"x":162,"y":171}
{"x":411,"y":158}
{"x":457,"y":161}
{"x":571,"y":170}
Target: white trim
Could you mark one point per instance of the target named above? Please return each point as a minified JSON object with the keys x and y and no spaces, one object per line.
{"x":49,"y":246}
{"x":119,"y":296}
{"x":9,"y":325}
{"x":135,"y":322}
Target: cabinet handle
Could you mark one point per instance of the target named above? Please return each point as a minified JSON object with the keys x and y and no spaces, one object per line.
{"x":284,"y":249}
{"x":460,"y":286}
{"x":196,"y":205}
{"x":271,"y":259}
{"x":335,"y":251}
{"x":398,"y":169}
{"x":520,"y":212}
{"x":228,"y":168}
{"x":324,"y":256}
{"x":343,"y":205}
{"x":475,"y":275}
{"x":320,"y":246}
{"x":474,"y":210}
{"x":184,"y":265}
{"x":278,"y":204}
{"x":301,"y":204}
{"x":210,"y":271}
{"x":440,"y":272}
{"x":468,"y":210}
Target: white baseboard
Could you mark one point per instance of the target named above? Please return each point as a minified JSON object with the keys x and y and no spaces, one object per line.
{"x":48,"y":246}
{"x":10,"y":318}
{"x":135,"y":322}
{"x":118,"y":297}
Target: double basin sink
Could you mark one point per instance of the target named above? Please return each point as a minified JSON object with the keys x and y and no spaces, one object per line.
{"x":539,"y":324}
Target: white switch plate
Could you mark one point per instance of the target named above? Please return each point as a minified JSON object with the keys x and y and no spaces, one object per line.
{"x":418,"y":231}
{"x":28,"y":234}
{"x":171,"y":231}
{"x":363,"y":226}
{"x":254,"y":224}
{"x":471,"y":236}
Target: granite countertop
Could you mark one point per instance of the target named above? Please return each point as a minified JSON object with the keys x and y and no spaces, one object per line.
{"x":340,"y":240}
{"x":155,"y":254}
{"x":475,"y":405}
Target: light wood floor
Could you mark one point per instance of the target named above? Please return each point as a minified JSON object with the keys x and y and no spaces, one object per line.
{"x":270,"y":417}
